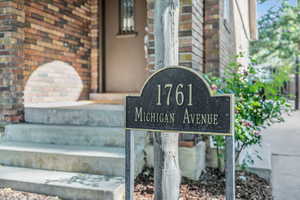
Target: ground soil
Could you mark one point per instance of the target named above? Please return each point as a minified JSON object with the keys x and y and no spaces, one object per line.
{"x":9,"y":194}
{"x":211,"y":186}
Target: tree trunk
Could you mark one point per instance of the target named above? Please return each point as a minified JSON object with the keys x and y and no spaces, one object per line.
{"x":166,"y":166}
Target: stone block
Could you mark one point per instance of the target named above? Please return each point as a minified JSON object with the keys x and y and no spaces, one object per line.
{"x":191,"y":160}
{"x":262,"y":160}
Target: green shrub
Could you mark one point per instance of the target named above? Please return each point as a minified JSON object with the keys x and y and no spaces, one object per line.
{"x":258,"y":103}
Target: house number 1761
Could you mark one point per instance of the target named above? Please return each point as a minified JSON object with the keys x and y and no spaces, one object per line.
{"x":179,"y":95}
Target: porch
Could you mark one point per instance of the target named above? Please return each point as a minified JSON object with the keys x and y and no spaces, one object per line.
{"x":75,"y":63}
{"x":78,"y":146}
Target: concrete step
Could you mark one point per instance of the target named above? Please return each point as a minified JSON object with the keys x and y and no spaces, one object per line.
{"x":89,"y":114}
{"x":67,"y":135}
{"x":115,"y":98}
{"x":70,"y":135}
{"x":68,"y":186}
{"x":94,"y":160}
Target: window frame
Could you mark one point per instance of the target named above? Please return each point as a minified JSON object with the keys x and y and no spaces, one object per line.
{"x":122,"y":32}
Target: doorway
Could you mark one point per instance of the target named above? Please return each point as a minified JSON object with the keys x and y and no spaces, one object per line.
{"x":125,"y":63}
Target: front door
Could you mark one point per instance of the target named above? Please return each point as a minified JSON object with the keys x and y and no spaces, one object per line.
{"x":125,"y":63}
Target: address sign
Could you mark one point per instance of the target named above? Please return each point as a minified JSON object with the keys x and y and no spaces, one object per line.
{"x":179,"y":99}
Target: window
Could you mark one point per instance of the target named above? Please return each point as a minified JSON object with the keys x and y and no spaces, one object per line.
{"x":127,"y":23}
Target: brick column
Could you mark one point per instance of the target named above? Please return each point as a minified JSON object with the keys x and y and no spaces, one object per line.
{"x":12,"y":19}
{"x":190,"y":34}
{"x":95,"y":29}
{"x":211,"y":36}
{"x":219,"y":41}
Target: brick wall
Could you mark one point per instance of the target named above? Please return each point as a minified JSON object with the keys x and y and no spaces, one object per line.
{"x":95,"y":29}
{"x":190,"y":34}
{"x":227,"y":38}
{"x":219,"y":45}
{"x":11,"y":60}
{"x":57,"y":30}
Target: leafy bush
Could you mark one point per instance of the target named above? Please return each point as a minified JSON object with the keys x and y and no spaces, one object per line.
{"x":258,"y":102}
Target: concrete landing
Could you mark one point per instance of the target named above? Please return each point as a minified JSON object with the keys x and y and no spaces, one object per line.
{"x":68,"y":186}
{"x":76,"y":113}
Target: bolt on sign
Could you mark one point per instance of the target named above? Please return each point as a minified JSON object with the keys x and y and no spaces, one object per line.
{"x":178,"y":99}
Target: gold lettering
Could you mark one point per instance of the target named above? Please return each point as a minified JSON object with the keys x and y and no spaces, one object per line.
{"x":161,"y":117}
{"x":198,"y":118}
{"x":203,"y":117}
{"x":192,"y":118}
{"x":172,"y":118}
{"x":166,"y":118}
{"x":190,"y":94}
{"x":138,"y":114}
{"x":209,"y":118}
{"x":186,"y":116}
{"x":216,"y":116}
{"x":153,"y":119}
{"x":148,"y":117}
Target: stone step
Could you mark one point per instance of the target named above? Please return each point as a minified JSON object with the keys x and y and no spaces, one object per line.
{"x":95,"y":160}
{"x":66,"y":185}
{"x":115,"y":98}
{"x":91,"y":114}
{"x":67,"y":135}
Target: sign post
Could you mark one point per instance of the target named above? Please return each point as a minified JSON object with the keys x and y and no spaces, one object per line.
{"x":129,"y":165}
{"x":178,"y":99}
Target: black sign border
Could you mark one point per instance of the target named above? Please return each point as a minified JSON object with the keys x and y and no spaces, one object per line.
{"x":231,"y":96}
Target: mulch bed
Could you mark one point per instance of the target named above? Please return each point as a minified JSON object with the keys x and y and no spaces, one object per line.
{"x":9,"y":194}
{"x":211,"y":186}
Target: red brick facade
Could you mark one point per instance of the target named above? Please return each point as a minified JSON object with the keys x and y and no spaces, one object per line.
{"x":34,"y":33}
{"x":190,"y":34}
{"x":11,"y":60}
{"x":58,"y":30}
{"x":95,"y":29}
{"x":219,"y":45}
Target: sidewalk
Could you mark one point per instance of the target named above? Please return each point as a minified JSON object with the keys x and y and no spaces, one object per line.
{"x":285,"y":146}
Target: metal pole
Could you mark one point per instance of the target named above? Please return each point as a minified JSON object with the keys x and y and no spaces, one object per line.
{"x":230,"y":157}
{"x":129,"y":166}
{"x":230,"y":168}
{"x":297,"y":85}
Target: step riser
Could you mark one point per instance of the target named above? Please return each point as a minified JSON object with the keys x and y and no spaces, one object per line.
{"x":68,"y":186}
{"x":88,"y":117}
{"x":63,"y":192}
{"x":66,"y":135}
{"x":70,"y":135}
{"x":69,"y":163}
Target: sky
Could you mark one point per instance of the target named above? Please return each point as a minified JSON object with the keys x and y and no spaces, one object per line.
{"x":262,"y":8}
